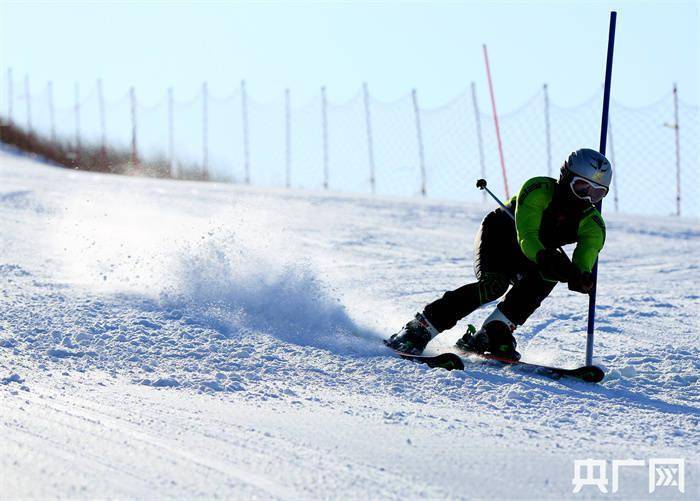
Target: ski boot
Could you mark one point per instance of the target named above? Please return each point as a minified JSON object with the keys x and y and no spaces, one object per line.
{"x":414,"y":337}
{"x":494,"y":337}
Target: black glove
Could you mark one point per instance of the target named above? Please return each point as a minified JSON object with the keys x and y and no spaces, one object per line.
{"x":581,"y":281}
{"x":555,"y":265}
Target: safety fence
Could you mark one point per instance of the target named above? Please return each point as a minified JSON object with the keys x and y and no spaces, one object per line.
{"x":364,"y":145}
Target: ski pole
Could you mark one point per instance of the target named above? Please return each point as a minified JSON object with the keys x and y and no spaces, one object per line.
{"x":481,"y":184}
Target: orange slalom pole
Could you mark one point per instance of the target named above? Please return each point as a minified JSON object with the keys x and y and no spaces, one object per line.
{"x":495,"y":121}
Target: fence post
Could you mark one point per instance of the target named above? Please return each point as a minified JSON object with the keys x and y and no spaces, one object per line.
{"x":28,"y":97}
{"x":324,"y":124}
{"x":612,"y":159}
{"x":676,"y":127}
{"x":78,"y":146}
{"x":548,"y":130}
{"x":370,"y":142}
{"x":103,"y":124}
{"x":246,"y":143}
{"x":134,"y":151}
{"x":52,"y":115}
{"x":205,"y":132}
{"x":171,"y":134}
{"x":288,"y":137}
{"x":479,"y":139}
{"x":419,"y":135}
{"x":10,"y":96}
{"x":495,"y":121}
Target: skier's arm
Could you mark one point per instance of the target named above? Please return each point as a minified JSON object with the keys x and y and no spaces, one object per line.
{"x":591,"y":237}
{"x":533,"y":198}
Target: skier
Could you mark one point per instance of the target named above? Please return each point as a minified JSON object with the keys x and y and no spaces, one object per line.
{"x":523,"y":253}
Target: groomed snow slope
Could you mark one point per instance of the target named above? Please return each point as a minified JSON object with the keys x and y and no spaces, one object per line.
{"x":174,"y":339}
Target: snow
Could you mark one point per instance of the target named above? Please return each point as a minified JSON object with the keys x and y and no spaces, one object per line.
{"x":181,"y":339}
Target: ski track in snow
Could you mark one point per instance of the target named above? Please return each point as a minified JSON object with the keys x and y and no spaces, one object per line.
{"x":174,"y":339}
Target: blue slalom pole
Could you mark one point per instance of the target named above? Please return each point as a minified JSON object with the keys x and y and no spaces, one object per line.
{"x":599,"y":205}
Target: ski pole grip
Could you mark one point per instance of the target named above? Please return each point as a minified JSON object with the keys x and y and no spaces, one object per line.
{"x":481,"y":184}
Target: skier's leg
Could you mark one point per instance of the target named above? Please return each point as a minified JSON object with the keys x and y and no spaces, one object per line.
{"x":525,"y":297}
{"x":493,"y":250}
{"x":445,"y":312}
{"x":496,"y":333}
{"x":495,"y":246}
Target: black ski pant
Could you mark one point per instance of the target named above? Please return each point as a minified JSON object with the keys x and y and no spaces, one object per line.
{"x":498,"y":263}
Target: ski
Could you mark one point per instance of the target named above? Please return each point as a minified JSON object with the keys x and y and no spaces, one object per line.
{"x":455,"y":361}
{"x":588,"y":373}
{"x":449,"y":361}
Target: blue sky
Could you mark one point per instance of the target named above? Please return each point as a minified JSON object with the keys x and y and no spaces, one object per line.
{"x":394,"y":46}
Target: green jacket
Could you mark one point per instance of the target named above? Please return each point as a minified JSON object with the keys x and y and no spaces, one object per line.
{"x":543,"y":220}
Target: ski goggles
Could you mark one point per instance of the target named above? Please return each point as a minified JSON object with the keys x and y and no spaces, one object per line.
{"x":588,"y":190}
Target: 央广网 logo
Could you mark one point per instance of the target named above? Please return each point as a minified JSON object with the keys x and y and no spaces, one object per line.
{"x":663,"y":472}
